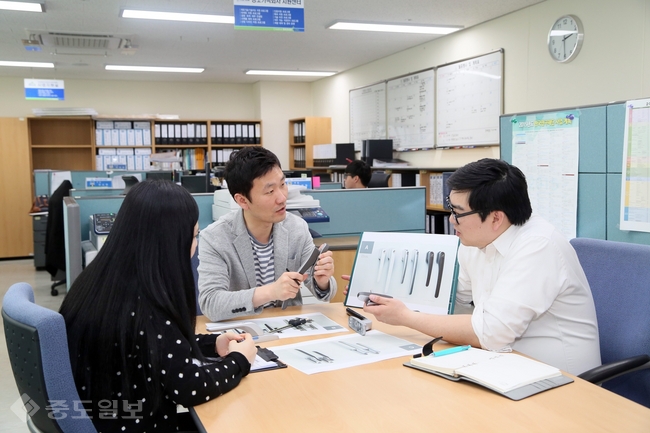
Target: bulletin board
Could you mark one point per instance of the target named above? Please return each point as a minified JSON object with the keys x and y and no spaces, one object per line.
{"x":410,"y":110}
{"x":367,"y":113}
{"x":469,"y":101}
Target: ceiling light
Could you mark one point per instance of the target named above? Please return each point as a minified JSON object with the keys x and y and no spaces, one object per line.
{"x":21,"y":6}
{"x":27,"y":64}
{"x":290,"y":73}
{"x":173,"y":16}
{"x":432,"y":30}
{"x":153,"y":69}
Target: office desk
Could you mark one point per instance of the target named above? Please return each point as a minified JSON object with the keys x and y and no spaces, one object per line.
{"x":388,"y":397}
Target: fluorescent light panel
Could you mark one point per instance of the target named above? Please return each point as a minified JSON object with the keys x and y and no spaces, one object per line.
{"x":394,"y":28}
{"x":153,"y":69}
{"x":173,"y":16}
{"x":290,"y":73}
{"x":27,"y":64}
{"x":20,"y":6}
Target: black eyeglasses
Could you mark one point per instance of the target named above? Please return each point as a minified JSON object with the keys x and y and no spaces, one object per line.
{"x":459,"y":215}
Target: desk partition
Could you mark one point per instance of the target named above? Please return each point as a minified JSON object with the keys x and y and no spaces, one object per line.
{"x":77,"y":212}
{"x":354,"y":211}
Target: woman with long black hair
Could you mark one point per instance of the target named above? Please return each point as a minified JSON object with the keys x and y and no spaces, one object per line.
{"x":131,"y":315}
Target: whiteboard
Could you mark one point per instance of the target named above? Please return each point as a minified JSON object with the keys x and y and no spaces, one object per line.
{"x":367,"y":113}
{"x":469,"y":97}
{"x":410,"y":110}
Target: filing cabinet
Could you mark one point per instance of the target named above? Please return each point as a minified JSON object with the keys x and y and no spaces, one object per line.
{"x":39,"y":224}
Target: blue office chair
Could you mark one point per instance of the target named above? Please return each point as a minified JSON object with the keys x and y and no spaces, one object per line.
{"x":38,"y":350}
{"x":619,"y":277}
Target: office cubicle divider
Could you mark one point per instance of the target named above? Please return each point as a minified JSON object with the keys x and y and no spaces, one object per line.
{"x":602,"y":129}
{"x":351,"y":213}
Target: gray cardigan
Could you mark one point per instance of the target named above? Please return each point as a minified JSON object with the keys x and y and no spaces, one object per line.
{"x":227,"y":267}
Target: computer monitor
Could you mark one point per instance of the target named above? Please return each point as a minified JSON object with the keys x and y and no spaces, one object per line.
{"x":194,"y":183}
{"x":302,"y":181}
{"x":162,"y":175}
{"x":297,"y":173}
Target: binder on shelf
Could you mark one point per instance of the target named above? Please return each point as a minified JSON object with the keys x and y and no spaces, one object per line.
{"x":258,"y":133}
{"x":107,"y":135}
{"x":219,"y":133}
{"x":231,"y":134}
{"x":177,"y":134}
{"x":139,"y":139}
{"x":184,"y":134}
{"x":251,"y":134}
{"x":202,"y":134}
{"x":164,"y":134}
{"x":123,"y":137}
{"x":244,"y":134}
{"x":130,"y":137}
{"x":156,"y":133}
{"x":115,"y":137}
{"x":238,"y":133}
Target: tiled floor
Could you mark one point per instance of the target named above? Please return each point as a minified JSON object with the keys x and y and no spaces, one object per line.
{"x":14,"y":271}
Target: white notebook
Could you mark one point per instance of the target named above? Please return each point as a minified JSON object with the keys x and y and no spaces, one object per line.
{"x":502,"y":372}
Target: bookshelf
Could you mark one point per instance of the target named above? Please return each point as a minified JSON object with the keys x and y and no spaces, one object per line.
{"x":61,"y":143}
{"x":75,"y":143}
{"x":304,"y":133}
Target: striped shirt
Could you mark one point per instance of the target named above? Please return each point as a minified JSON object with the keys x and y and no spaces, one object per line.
{"x":264,"y":263}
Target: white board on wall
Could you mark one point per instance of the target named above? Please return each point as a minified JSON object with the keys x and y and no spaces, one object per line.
{"x":469,"y":101}
{"x":410,"y":110}
{"x":367,"y":113}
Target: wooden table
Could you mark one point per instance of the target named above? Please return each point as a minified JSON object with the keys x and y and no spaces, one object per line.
{"x":388,"y":397}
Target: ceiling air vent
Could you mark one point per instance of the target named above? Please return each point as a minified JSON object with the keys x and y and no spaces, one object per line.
{"x":81,"y":41}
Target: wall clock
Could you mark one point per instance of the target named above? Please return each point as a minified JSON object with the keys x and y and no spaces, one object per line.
{"x":565,"y":38}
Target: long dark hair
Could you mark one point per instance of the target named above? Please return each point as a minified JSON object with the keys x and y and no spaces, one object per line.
{"x":142,"y":272}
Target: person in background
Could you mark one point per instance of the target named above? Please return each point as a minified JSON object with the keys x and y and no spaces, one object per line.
{"x":522,"y":275}
{"x":249,"y":257}
{"x":130,"y":318}
{"x":357,"y":175}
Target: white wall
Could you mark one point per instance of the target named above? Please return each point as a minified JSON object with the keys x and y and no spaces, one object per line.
{"x":612,"y":65}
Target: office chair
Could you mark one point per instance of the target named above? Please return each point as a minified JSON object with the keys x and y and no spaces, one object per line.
{"x":129,"y":182}
{"x":37,"y":344}
{"x":379,"y":180}
{"x":619,"y":277}
{"x":55,"y":235}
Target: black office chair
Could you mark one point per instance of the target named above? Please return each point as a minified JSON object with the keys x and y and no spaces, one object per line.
{"x":379,"y":179}
{"x":129,"y":182}
{"x":55,"y":237}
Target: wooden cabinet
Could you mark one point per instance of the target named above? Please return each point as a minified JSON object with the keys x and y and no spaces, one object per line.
{"x":16,"y":237}
{"x":304,"y":133}
{"x":62,"y":143}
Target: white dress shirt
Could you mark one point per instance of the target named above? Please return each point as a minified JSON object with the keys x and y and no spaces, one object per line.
{"x":531,"y":295}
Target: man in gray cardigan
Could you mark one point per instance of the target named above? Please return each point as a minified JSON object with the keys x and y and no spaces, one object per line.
{"x":246,"y":257}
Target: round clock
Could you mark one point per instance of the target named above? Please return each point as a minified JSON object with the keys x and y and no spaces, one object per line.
{"x":565,"y":38}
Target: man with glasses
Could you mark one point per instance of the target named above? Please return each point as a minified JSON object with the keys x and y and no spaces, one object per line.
{"x":524,"y":279}
{"x":357,"y":175}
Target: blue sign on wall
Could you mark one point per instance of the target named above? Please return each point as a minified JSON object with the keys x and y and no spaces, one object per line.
{"x":282,"y":15}
{"x":44,"y":89}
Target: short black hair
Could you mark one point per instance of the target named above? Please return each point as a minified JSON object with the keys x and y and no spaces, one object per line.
{"x":361,"y":169}
{"x":245,"y":166}
{"x":494,"y":184}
